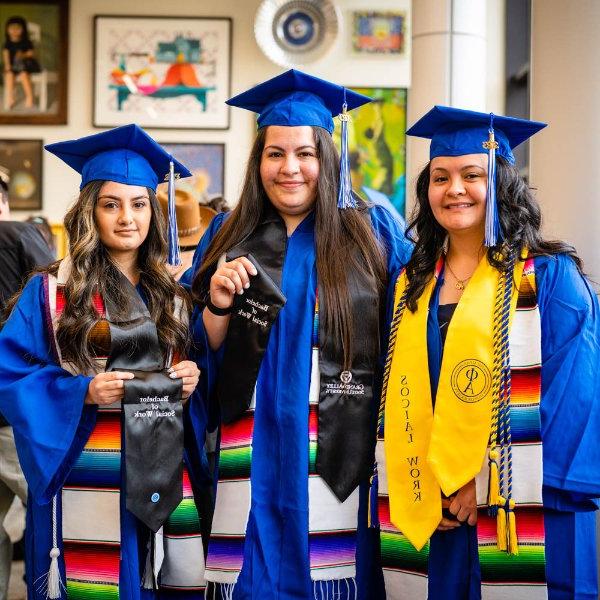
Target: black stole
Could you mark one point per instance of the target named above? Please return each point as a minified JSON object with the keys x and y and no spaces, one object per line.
{"x":152,"y":413}
{"x":345,"y":432}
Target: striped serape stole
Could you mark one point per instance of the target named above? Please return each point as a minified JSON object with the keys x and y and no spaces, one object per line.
{"x":91,"y":532}
{"x":332,"y":525}
{"x":518,"y":577}
{"x":182,"y":571}
{"x":521,"y":576}
{"x":226,"y":545}
{"x":90,"y":513}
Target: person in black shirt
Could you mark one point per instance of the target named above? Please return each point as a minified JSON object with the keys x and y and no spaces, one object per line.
{"x":22,"y":249}
{"x":19,"y":60}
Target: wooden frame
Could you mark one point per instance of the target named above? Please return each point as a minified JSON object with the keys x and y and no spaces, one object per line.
{"x":48,"y":27}
{"x":162,"y":72}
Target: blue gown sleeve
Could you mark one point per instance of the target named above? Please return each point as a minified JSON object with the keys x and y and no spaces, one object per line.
{"x":570,"y":408}
{"x":43,"y":402}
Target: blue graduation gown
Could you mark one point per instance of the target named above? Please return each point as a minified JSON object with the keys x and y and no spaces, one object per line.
{"x":570,"y":415}
{"x":45,"y":406}
{"x":276,"y":558}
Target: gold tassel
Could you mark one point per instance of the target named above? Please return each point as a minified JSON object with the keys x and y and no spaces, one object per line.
{"x":501,"y":524}
{"x":513,"y":542}
{"x":493,"y":485}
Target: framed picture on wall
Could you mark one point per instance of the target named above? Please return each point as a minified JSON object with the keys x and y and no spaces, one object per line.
{"x":207,"y":164}
{"x":377,"y":145}
{"x":162,"y":72}
{"x":35,"y":54}
{"x":378,"y":32}
{"x":23,"y":160}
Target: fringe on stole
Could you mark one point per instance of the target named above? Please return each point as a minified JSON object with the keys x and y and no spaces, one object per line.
{"x":332,"y":589}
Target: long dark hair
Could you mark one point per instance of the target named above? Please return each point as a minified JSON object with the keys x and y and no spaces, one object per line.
{"x":17,"y":21}
{"x":94,"y":271}
{"x":520,"y":218}
{"x":344,"y":239}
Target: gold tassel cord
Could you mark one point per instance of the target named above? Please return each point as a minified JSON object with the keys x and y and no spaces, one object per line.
{"x":501,"y":525}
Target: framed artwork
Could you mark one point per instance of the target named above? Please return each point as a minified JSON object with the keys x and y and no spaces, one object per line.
{"x":207,"y":164}
{"x":35,"y":54}
{"x":23,"y":159}
{"x":162,"y":72}
{"x":377,"y":144}
{"x":378,"y":32}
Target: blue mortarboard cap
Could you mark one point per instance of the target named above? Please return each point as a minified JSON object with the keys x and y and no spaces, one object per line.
{"x":126,"y":155}
{"x":295,"y":98}
{"x":455,"y":132}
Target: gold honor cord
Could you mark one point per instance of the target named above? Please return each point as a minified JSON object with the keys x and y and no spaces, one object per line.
{"x":428,"y":453}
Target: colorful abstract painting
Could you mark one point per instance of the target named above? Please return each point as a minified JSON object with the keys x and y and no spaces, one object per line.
{"x":378,"y":32}
{"x":377,"y":143}
{"x":162,"y":72}
{"x":207,"y":165}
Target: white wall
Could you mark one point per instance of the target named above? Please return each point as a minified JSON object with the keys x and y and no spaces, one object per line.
{"x":249,"y":66}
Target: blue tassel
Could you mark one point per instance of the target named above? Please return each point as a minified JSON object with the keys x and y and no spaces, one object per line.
{"x":493,"y":233}
{"x":346,"y":198}
{"x":173,"y":258}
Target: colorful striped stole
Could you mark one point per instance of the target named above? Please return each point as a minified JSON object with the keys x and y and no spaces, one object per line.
{"x":91,"y":534}
{"x":332,"y":524}
{"x":518,"y":577}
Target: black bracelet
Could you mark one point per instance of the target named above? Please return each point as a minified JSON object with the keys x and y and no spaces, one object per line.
{"x":215,"y":310}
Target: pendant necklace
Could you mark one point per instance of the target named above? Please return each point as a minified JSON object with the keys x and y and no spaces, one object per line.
{"x":460,"y":283}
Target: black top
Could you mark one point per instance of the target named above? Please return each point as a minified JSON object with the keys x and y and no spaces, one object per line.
{"x":14,"y":47}
{"x":22,"y":249}
{"x":20,"y":63}
{"x":445,"y":313}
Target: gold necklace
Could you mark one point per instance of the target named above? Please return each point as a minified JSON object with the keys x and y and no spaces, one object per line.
{"x":460,"y":283}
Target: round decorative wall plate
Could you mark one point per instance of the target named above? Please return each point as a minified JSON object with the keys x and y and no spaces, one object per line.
{"x":295,"y":32}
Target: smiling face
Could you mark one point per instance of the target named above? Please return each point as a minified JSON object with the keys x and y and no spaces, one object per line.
{"x":123,"y":214}
{"x":289,"y":169}
{"x":457,"y":192}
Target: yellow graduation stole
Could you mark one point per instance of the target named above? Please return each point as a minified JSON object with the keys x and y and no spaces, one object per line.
{"x":426,"y":452}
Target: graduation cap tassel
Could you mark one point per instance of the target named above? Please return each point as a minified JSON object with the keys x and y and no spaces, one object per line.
{"x":173,"y":258}
{"x":492,"y":221}
{"x":346,"y":198}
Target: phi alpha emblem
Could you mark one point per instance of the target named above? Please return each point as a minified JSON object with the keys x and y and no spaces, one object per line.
{"x":471,"y":380}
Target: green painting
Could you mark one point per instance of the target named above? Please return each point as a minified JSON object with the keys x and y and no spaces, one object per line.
{"x":377,"y":143}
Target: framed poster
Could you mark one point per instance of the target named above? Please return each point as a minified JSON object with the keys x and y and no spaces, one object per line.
{"x":207,"y":164}
{"x":162,"y":72}
{"x":377,"y":144}
{"x":35,"y":54}
{"x":23,"y":160}
{"x":378,"y":32}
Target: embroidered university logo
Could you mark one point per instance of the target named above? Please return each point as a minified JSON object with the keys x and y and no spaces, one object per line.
{"x":471,"y":380}
{"x":346,"y":377}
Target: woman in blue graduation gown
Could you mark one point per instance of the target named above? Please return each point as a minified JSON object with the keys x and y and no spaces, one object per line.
{"x":81,"y":539}
{"x":296,"y":405}
{"x":508,"y":475}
